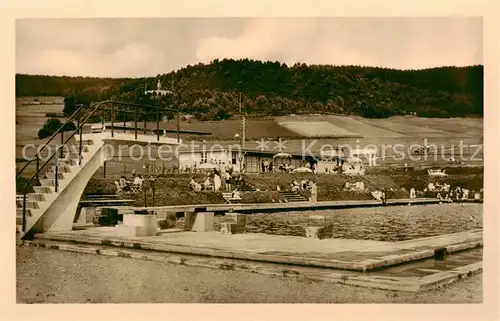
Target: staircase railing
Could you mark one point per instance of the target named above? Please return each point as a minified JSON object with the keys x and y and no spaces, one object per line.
{"x":39,"y":151}
{"x":58,"y":153}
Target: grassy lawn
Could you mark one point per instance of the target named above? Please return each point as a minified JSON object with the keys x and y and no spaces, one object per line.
{"x":173,"y":188}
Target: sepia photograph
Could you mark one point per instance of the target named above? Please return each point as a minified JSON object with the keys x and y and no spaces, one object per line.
{"x":249,"y":160}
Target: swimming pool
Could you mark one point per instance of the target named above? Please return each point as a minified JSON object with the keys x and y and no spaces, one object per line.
{"x":395,"y":223}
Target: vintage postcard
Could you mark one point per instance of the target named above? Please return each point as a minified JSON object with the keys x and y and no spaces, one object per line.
{"x":250,"y":159}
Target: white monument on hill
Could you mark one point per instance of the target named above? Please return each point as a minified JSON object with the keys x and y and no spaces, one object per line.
{"x":158,"y":91}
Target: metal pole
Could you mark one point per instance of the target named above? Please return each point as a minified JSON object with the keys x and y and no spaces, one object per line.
{"x":153,"y":189}
{"x":145,"y":199}
{"x":56,"y":182}
{"x":104,"y":169}
{"x":145,"y":123}
{"x":37,"y":165}
{"x":61,"y":153}
{"x":112,"y":120}
{"x":80,"y":146}
{"x":157,"y":124}
{"x":241,"y":155}
{"x":24,"y":211}
{"x":178,"y":111}
{"x":178,"y":126}
{"x":135,"y":123}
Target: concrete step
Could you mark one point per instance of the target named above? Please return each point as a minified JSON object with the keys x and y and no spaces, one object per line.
{"x":29,"y":204}
{"x":36,"y":197}
{"x":70,"y":155}
{"x":69,"y":161}
{"x":53,"y":175}
{"x":63,"y":168}
{"x":48,"y":182}
{"x":76,"y":148}
{"x":19,"y":212}
{"x":43,"y":189}
{"x":84,"y":141}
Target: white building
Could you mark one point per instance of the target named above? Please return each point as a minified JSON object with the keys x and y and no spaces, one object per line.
{"x":209,"y":159}
{"x":158,"y":91}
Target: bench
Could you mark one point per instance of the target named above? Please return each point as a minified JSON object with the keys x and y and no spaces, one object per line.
{"x":230,"y":199}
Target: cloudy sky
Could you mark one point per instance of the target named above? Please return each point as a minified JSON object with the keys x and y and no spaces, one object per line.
{"x":147,"y":47}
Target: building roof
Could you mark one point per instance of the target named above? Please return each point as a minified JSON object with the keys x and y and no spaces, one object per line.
{"x":249,"y":152}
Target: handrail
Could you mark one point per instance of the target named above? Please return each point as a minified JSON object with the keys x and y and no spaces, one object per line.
{"x":38,"y":153}
{"x":62,"y":145}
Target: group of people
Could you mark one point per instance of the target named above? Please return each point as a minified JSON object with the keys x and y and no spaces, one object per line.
{"x":213,"y":182}
{"x":358,"y":187}
{"x":449,"y":195}
{"x":266,"y":166}
{"x":436,"y":187}
{"x":129,"y":186}
{"x":269,"y":167}
{"x":458,"y":193}
{"x":304,"y":185}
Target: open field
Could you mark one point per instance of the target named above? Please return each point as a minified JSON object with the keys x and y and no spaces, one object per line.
{"x":318,"y":129}
{"x":31,"y":116}
{"x":390,"y":136}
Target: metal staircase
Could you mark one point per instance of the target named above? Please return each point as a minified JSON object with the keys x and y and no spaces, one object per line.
{"x":50,"y":196}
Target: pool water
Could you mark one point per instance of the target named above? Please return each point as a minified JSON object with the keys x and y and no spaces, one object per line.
{"x":395,"y":223}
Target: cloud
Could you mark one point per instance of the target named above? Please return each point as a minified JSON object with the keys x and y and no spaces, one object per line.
{"x":147,"y":47}
{"x":388,"y":42}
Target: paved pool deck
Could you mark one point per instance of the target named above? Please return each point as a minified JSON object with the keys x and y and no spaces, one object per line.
{"x":346,"y":254}
{"x":296,"y":206}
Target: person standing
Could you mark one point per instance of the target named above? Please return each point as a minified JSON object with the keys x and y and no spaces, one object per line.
{"x":217,"y":182}
{"x":228,"y":181}
{"x":412,"y":193}
{"x":314,"y":192}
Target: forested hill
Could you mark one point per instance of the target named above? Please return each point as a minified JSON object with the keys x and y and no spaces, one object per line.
{"x":211,"y":91}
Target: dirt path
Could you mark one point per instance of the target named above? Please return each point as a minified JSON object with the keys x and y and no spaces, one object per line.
{"x":50,"y":276}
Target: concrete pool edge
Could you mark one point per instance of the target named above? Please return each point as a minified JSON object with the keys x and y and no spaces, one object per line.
{"x":418,"y":250}
{"x":391,"y":283}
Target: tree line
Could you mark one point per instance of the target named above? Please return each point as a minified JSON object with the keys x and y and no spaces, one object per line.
{"x":217,"y":90}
